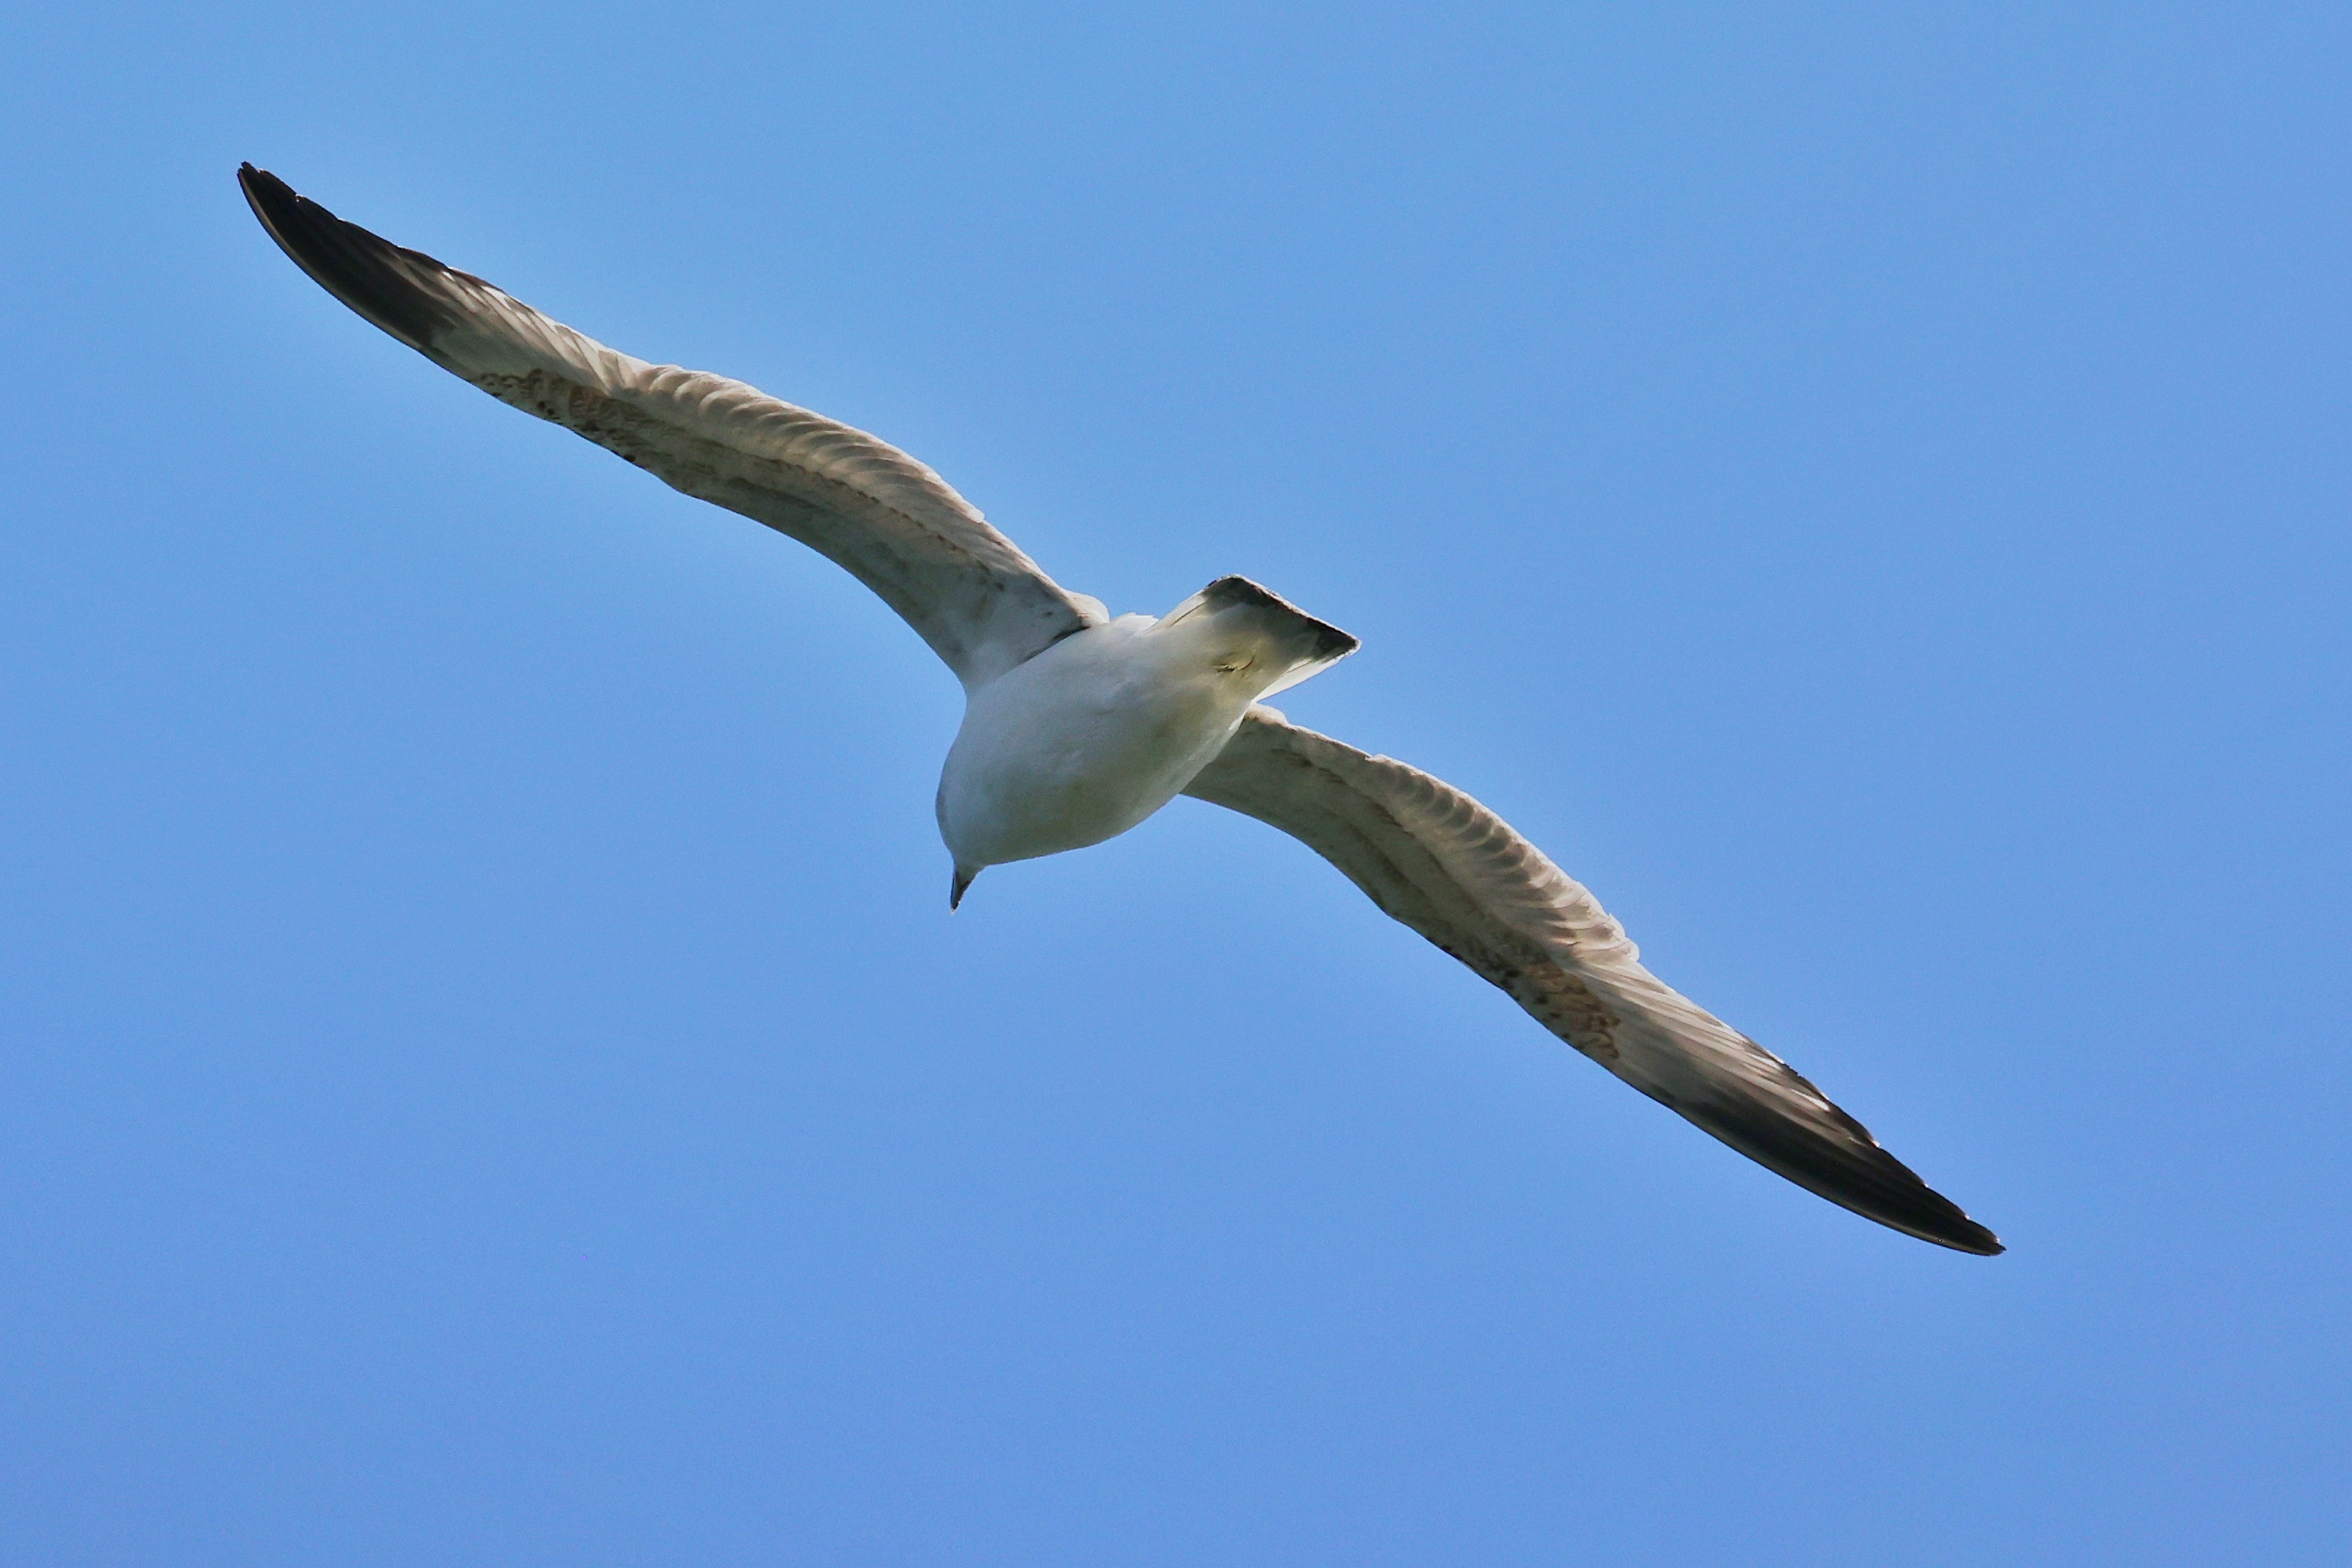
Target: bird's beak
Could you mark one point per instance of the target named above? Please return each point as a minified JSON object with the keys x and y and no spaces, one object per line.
{"x":963,"y":875}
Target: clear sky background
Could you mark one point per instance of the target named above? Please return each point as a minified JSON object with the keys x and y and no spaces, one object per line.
{"x":490,"y":1077}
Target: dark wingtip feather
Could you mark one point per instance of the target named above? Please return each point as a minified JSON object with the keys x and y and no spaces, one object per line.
{"x":1866,"y":1180}
{"x":402,"y":291}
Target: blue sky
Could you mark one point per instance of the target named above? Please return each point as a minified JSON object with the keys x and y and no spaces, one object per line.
{"x":490,"y":1074}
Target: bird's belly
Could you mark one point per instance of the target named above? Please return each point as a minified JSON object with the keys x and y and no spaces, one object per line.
{"x":1077,"y":751}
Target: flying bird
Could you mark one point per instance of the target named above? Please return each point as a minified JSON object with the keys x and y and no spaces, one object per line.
{"x":1078,"y":724}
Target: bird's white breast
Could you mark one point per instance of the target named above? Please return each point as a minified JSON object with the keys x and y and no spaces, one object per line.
{"x":1092,"y":735}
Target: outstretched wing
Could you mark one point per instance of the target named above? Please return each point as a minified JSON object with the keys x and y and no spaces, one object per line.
{"x":1436,"y":859}
{"x":892,"y":523}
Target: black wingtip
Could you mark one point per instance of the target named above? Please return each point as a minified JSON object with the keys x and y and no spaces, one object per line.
{"x":1958,"y":1232}
{"x":390,"y":286}
{"x":1924,"y":1212}
{"x":1968,"y":1235}
{"x":1852,"y":1170}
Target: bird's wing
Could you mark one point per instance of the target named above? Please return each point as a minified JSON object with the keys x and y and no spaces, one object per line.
{"x":892,"y":523}
{"x":1436,"y":859}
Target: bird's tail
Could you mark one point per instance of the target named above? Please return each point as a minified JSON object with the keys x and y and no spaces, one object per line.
{"x":1289,"y":643}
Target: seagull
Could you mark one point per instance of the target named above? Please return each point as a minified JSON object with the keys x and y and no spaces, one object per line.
{"x":1078,"y":724}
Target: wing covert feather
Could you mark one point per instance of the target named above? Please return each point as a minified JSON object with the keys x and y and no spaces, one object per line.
{"x":981,"y":605}
{"x":1437,"y":861}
